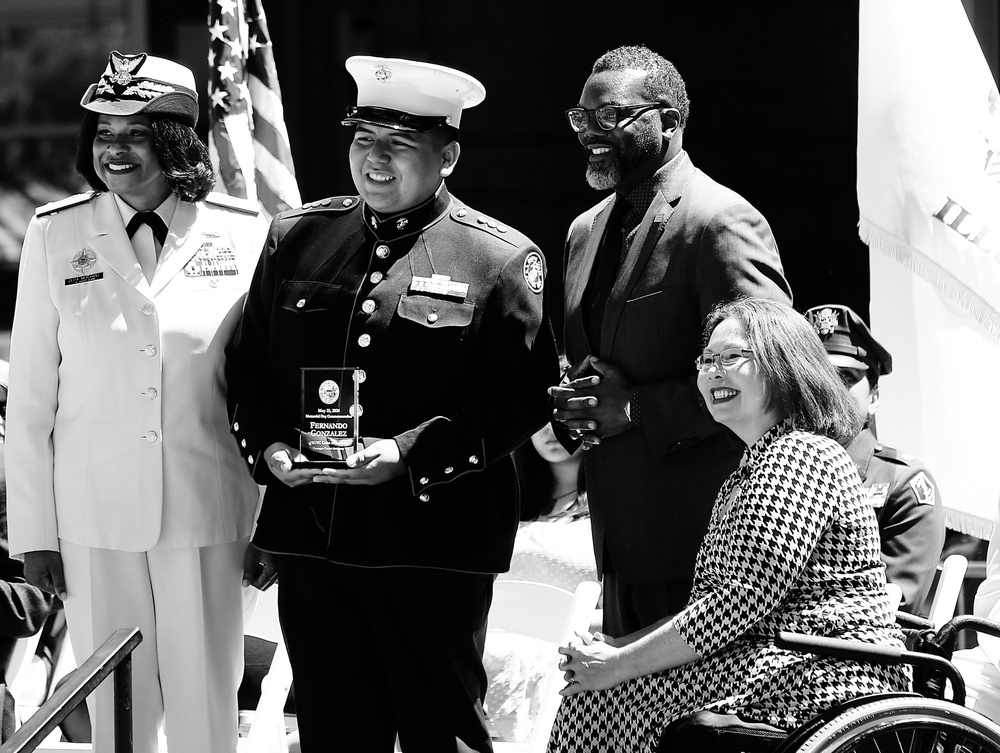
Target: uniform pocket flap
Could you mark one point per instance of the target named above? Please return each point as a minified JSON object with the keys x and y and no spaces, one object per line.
{"x":434,"y":312}
{"x":306,"y":295}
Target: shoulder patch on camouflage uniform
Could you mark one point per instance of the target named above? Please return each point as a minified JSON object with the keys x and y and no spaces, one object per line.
{"x":923,"y":489}
{"x":69,"y":201}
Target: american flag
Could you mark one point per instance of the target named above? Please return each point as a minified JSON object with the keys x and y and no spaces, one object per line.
{"x":247,"y":137}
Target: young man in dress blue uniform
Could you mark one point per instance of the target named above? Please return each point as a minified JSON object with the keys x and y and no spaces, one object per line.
{"x":386,"y":563}
{"x":901,"y":491}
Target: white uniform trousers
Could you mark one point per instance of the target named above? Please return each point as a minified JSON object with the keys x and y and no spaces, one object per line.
{"x":188,"y":604}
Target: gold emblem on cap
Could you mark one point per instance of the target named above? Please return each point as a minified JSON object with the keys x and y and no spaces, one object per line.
{"x":382,"y":72}
{"x":123,"y":66}
{"x":825,"y":322}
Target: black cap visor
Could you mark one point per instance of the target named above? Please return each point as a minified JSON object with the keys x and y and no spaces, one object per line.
{"x":395,"y":119}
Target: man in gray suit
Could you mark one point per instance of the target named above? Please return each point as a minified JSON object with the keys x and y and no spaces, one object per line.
{"x":643,"y":268}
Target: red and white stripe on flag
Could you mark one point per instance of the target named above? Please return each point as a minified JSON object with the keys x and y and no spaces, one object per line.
{"x":929,"y":201}
{"x":247,"y":136}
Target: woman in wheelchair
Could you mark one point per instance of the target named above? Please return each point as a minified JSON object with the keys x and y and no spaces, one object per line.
{"x":792,"y":545}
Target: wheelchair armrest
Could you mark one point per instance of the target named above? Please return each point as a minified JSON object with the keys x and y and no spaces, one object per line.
{"x":839,"y":648}
{"x":871,"y":653}
{"x":909,"y":621}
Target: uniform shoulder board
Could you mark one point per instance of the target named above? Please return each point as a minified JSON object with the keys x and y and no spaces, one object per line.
{"x":69,"y":201}
{"x":893,"y":455}
{"x":472,"y":218}
{"x":232,"y":202}
{"x":330,"y":204}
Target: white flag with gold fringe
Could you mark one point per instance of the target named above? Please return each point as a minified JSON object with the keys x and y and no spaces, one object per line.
{"x":929,"y":201}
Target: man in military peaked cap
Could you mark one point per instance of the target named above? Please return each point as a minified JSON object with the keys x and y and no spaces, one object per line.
{"x":902,"y":492}
{"x":389,"y":558}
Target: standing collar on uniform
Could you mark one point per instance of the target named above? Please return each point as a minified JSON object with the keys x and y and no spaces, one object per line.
{"x":388,"y":227}
{"x":861,"y":449}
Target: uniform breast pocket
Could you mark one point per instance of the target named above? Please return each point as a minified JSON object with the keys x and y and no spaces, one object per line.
{"x":304,"y":316}
{"x":449,"y":318}
{"x":299,"y":297}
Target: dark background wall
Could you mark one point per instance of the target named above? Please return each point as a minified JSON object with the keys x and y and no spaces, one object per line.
{"x":773,"y":114}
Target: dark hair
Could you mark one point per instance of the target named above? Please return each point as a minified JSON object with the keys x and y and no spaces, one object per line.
{"x":444,"y":135}
{"x":182,"y":156}
{"x":798,"y":377}
{"x":536,"y":482}
{"x":663,"y":84}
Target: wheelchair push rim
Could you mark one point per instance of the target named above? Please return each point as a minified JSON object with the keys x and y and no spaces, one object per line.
{"x":913,"y":725}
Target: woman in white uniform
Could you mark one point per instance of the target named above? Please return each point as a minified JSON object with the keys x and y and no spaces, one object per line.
{"x":127,"y":494}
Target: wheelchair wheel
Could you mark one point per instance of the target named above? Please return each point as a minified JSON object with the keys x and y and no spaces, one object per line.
{"x":905,"y":724}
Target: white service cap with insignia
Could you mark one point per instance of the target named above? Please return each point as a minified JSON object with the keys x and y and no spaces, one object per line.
{"x":408,"y":95}
{"x":141,"y":83}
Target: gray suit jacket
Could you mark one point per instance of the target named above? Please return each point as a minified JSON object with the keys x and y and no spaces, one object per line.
{"x":652,"y":488}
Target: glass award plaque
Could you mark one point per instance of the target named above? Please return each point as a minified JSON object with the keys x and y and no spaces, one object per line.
{"x":330,"y":412}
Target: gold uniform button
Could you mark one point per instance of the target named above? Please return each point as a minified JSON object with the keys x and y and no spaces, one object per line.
{"x":149,"y":350}
{"x":250,"y":460}
{"x":347,"y":202}
{"x":432,"y":317}
{"x":368,"y":306}
{"x":376,"y":277}
{"x":449,"y":469}
{"x":365,"y":340}
{"x":474,"y":460}
{"x":300,"y":303}
{"x":243,"y":443}
{"x":381,"y":251}
{"x":461,"y":213}
{"x":150,"y":393}
{"x":236,"y":426}
{"x":424,"y":480}
{"x":148,"y":309}
{"x":362,"y":376}
{"x":151,"y":436}
{"x":425,"y":497}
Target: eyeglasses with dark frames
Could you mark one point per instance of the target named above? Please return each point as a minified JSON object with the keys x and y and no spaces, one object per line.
{"x":608,"y":117}
{"x":728,"y":357}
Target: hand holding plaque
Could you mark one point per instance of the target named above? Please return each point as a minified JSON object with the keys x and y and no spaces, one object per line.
{"x":329,"y":430}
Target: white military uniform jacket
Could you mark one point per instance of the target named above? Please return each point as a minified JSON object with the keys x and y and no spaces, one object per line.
{"x":117,"y":430}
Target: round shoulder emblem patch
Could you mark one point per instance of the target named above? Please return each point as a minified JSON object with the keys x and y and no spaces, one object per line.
{"x":533,"y":274}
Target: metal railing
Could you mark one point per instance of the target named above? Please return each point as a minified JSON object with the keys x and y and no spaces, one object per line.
{"x":114,"y":656}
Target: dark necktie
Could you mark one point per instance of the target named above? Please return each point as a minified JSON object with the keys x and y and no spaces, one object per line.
{"x":602,"y":278}
{"x":155,"y":222}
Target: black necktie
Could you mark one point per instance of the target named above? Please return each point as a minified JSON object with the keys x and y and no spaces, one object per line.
{"x":602,"y":277}
{"x":155,"y":222}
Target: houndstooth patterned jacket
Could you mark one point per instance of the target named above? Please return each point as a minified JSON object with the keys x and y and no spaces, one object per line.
{"x":792,"y":545}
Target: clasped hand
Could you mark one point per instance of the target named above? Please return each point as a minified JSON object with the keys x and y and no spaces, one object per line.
{"x":593,"y":664}
{"x":378,"y":462}
{"x":591,"y":401}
